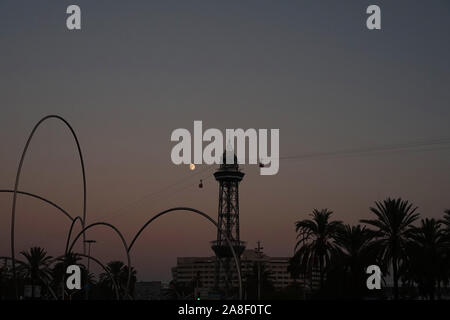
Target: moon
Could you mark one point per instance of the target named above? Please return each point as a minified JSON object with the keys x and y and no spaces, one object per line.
{"x":192,"y":167}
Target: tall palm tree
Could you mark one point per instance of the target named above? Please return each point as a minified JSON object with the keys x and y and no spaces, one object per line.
{"x":315,"y":242}
{"x":4,"y":279}
{"x":446,"y":266}
{"x":393,"y":223}
{"x":425,"y":256}
{"x":36,"y":268}
{"x":354,"y":252}
{"x":446,"y":220}
{"x":59,"y":271}
{"x":124,"y":279}
{"x":119,"y":272}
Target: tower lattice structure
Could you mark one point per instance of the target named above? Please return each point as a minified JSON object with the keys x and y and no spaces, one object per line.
{"x":228,"y":175}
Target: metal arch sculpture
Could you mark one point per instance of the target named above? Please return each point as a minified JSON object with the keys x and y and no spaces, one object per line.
{"x":16,"y":184}
{"x":121,"y":237}
{"x":68,"y":237}
{"x":54,"y":205}
{"x":77,"y":218}
{"x":236,"y":260}
{"x":40,"y":198}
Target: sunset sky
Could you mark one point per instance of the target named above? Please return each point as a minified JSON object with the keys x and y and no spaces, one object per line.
{"x":140,"y":69}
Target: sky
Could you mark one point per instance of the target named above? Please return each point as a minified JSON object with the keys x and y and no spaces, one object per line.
{"x":137,"y":70}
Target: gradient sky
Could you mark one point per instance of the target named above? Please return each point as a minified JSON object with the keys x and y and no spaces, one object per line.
{"x":140,"y":69}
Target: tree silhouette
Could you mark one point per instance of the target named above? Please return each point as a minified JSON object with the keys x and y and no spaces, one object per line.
{"x":315,"y":243}
{"x":393,"y":223}
{"x":425,"y":257}
{"x":354,"y":251}
{"x":36,"y":268}
{"x":445,"y":267}
{"x":119,"y":271}
{"x":59,"y":272}
{"x":5,"y":281}
{"x":446,"y":220}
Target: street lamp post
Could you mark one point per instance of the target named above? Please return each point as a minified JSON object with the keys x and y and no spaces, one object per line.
{"x":258,"y":251}
{"x":89,"y":242}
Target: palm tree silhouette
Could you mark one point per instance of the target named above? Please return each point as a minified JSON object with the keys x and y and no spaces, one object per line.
{"x":315,"y":243}
{"x":446,"y":220}
{"x":119,"y":272}
{"x":425,"y":261}
{"x":393,"y":223}
{"x":446,"y":263}
{"x":59,"y":270}
{"x":353,"y":253}
{"x":5,"y":277}
{"x":36,"y":267}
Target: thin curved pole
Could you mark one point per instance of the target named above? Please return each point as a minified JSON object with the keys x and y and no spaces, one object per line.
{"x":16,"y":186}
{"x":106,"y":270}
{"x":70,"y":233}
{"x":40,"y":198}
{"x":54,"y":205}
{"x":121,"y":237}
{"x":236,"y":260}
{"x":77,"y":218}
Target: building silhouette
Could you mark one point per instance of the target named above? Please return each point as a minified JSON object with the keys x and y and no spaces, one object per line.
{"x":202,"y":272}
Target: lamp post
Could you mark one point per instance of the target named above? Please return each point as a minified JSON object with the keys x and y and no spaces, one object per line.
{"x":258,"y":251}
{"x":89,"y":242}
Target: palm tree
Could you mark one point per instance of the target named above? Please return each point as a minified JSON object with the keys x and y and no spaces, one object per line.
{"x":4,"y":280}
{"x":446,"y":220}
{"x":393,"y":223}
{"x":446,"y":265}
{"x":354,"y":252}
{"x":425,"y":257}
{"x":119,"y":272}
{"x":316,"y":241}
{"x":59,"y":271}
{"x":36,"y":268}
{"x":124,"y":279}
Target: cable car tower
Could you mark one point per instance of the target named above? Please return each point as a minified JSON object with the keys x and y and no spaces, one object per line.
{"x":228,"y":175}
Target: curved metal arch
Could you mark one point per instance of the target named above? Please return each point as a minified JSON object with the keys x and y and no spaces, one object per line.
{"x":236,"y":260}
{"x":116,"y":290}
{"x":40,"y":198}
{"x":121,"y":237}
{"x":77,"y":218}
{"x":54,"y":205}
{"x":16,"y":184}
